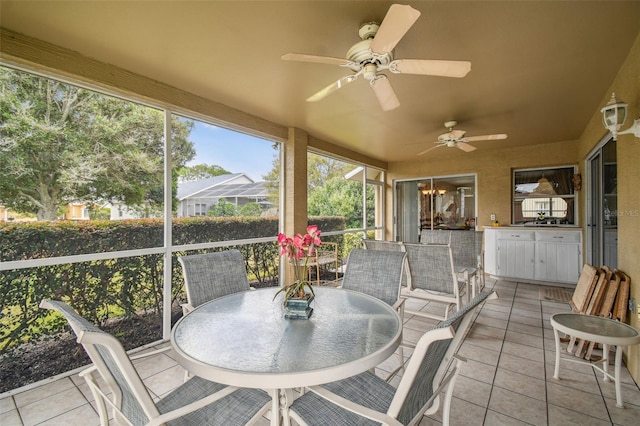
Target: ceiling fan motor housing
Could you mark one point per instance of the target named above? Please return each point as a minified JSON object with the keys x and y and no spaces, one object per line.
{"x":360,"y":54}
{"x":368,"y":30}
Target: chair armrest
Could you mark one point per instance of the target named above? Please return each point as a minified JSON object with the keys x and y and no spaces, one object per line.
{"x":399,"y":305}
{"x":193,"y":406}
{"x":146,"y":354}
{"x":353,"y":407}
{"x":186,"y":308}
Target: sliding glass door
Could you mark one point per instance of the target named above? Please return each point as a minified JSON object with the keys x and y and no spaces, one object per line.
{"x":602,"y":206}
{"x":446,"y":202}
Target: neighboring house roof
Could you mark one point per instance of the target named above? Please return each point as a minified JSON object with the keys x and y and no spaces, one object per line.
{"x":244,"y":190}
{"x":222,"y":186}
{"x":356,"y":174}
{"x":192,"y":188}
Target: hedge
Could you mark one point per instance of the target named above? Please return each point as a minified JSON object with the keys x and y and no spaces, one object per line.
{"x":123,"y":287}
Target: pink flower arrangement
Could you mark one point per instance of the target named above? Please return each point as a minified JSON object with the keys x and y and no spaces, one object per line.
{"x":298,"y":250}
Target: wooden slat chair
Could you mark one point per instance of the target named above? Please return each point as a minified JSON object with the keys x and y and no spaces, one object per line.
{"x":195,"y":402}
{"x":324,"y":255}
{"x":366,"y":399}
{"x":433,"y":277}
{"x":622,"y":298}
{"x":599,"y":292}
{"x":592,"y":308}
{"x":580,"y":300}
{"x":212,"y":275}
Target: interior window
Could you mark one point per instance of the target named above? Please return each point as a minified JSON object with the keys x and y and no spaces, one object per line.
{"x":544,"y":196}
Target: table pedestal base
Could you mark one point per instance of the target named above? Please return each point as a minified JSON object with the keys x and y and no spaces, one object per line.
{"x":595,"y":365}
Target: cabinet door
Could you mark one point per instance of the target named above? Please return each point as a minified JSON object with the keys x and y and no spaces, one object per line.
{"x":557,"y":262}
{"x":516,"y":259}
{"x":490,"y":252}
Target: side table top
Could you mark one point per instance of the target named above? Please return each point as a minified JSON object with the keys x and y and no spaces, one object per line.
{"x":599,"y":329}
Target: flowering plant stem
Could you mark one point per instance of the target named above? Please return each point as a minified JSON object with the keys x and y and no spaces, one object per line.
{"x":298,"y":250}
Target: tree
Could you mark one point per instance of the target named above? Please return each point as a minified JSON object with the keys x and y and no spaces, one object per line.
{"x":319,"y":170}
{"x":250,"y":209}
{"x":222,"y":209}
{"x":340,"y":197}
{"x":329,"y":193}
{"x":199,"y":172}
{"x":60,"y":143}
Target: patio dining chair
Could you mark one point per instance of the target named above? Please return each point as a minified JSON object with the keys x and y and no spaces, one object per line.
{"x":195,"y":402}
{"x":366,"y":399}
{"x":433,"y":277}
{"x":379,"y":274}
{"x":376,"y":273}
{"x":468,"y":258}
{"x":212,"y":275}
{"x":388,"y":246}
{"x":435,"y":236}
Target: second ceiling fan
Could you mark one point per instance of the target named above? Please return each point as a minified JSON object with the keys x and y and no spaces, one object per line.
{"x":455,"y":138}
{"x":375,"y":54}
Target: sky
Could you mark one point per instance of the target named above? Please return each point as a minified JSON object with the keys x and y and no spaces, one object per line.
{"x":231,"y":150}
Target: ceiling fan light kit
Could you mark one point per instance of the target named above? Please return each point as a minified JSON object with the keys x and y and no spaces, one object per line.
{"x":374,"y":54}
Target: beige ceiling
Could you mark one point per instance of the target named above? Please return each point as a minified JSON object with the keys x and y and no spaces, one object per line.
{"x":539,"y":69}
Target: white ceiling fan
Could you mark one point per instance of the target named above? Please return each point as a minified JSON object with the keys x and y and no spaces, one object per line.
{"x":375,"y":54}
{"x":455,"y":138}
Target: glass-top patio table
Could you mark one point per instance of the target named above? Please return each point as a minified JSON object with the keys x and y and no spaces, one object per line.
{"x":244,"y":340}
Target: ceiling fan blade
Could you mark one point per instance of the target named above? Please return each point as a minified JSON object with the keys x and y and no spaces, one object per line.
{"x":430,"y":149}
{"x":485,"y":138}
{"x":457,"y":134}
{"x":385,"y":94}
{"x":301,"y":57}
{"x":438,"y":68}
{"x":395,"y":25}
{"x":332,"y":88}
{"x":466,"y":147}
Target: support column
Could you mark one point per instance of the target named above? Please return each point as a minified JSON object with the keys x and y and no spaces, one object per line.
{"x":295,"y":184}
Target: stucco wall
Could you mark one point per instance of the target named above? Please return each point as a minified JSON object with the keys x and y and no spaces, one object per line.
{"x":493,"y":169}
{"x":627,"y":87}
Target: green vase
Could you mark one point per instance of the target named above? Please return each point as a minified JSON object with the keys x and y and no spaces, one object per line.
{"x":299,"y":307}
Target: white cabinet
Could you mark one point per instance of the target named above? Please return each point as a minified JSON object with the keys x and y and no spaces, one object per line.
{"x":516,"y":255}
{"x":557,"y":256}
{"x":549,"y":255}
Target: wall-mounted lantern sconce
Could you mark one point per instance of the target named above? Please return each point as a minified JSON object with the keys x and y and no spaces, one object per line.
{"x":613,"y":116}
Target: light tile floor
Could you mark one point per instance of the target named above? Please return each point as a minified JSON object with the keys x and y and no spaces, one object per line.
{"x":506,"y":381}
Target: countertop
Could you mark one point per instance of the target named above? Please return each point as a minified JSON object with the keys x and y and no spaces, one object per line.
{"x":541,"y":227}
